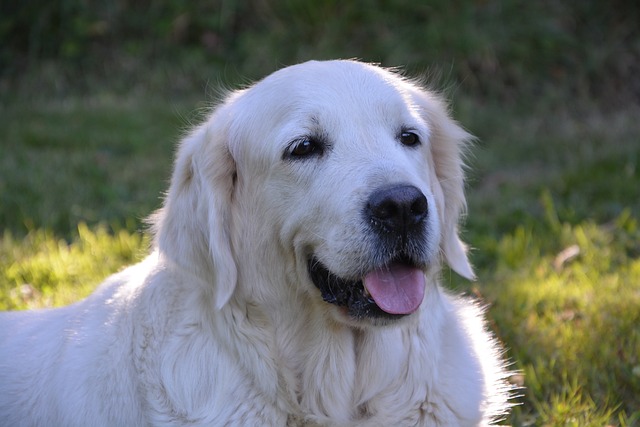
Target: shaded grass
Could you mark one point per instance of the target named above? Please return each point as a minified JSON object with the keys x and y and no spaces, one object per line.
{"x":500,"y":48}
{"x":584,"y":163}
{"x":90,"y":161}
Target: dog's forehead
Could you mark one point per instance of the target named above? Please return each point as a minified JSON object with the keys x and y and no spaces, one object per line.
{"x":336,"y":82}
{"x":331,"y":98}
{"x":325,"y":88}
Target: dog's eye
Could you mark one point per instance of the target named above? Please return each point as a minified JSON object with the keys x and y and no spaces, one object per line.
{"x":409,"y":139}
{"x":304,"y":147}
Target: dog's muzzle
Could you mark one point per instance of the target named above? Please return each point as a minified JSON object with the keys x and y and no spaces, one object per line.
{"x":394,"y":287}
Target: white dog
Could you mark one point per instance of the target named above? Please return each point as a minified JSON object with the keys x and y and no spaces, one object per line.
{"x":293,"y":279}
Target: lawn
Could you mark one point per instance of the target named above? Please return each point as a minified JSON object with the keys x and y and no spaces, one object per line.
{"x":553,"y":219}
{"x":548,"y":88}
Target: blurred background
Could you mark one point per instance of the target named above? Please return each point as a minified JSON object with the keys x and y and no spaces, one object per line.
{"x":505,"y":49}
{"x":95,"y":95}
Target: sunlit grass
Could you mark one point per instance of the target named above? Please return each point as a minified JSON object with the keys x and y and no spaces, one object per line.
{"x":553,"y":219}
{"x":572,"y":324}
{"x":44,"y":270}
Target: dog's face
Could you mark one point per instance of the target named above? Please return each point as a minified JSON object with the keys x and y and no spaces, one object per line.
{"x":347,"y":183}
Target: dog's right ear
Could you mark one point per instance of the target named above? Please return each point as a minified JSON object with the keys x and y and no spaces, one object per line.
{"x":192,"y":230}
{"x":447,"y":144}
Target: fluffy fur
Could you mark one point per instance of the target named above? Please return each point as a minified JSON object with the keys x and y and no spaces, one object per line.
{"x":221,"y":323}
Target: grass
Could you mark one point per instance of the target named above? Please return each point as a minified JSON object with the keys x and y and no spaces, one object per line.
{"x":44,"y":270}
{"x":92,"y":160}
{"x":570,"y":323}
{"x":93,"y":99}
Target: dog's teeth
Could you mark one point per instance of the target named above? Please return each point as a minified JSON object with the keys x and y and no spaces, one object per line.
{"x":366,"y":292}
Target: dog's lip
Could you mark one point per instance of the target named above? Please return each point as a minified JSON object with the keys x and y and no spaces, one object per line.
{"x":352,"y":293}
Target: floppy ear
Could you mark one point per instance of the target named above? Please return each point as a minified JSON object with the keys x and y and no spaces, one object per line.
{"x":447,"y":142}
{"x":192,"y":229}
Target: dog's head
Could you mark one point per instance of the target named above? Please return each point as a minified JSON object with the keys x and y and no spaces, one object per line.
{"x":339,"y":182}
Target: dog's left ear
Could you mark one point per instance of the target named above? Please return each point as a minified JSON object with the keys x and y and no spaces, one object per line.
{"x":192,"y":230}
{"x":447,"y":143}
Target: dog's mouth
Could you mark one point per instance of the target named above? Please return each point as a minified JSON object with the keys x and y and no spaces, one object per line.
{"x":394,"y":290}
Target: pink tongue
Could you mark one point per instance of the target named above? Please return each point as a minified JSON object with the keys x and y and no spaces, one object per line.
{"x":396,"y":289}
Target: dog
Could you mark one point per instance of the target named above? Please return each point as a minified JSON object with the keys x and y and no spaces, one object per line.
{"x":293,"y":277}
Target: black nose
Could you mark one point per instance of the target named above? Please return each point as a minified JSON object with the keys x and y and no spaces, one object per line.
{"x":399,"y":208}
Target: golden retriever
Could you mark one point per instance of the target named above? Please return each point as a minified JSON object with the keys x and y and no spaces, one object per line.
{"x":293,"y":278}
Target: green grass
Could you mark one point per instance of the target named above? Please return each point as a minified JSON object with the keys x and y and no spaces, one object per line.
{"x":538,"y":186}
{"x":572,"y":326}
{"x":550,"y":88}
{"x":44,"y":270}
{"x":90,"y":161}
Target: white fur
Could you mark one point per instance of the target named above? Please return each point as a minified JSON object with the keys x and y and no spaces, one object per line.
{"x":221,"y":324}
